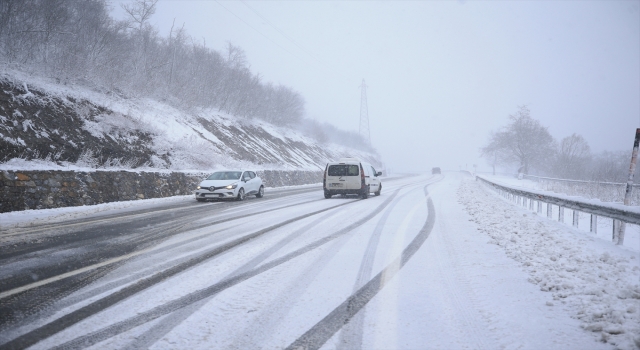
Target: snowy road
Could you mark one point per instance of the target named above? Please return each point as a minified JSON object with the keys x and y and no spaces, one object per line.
{"x":408,"y":269}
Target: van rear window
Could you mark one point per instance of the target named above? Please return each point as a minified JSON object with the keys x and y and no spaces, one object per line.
{"x":344,"y":170}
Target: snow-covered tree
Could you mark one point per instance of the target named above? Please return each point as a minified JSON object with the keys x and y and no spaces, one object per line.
{"x":523,"y":142}
{"x":573,"y":157}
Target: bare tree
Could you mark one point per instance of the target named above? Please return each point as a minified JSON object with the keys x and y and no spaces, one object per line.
{"x":140,"y":11}
{"x":524,"y":142}
{"x":573,"y":158}
{"x":609,"y":167}
{"x":494,"y":153}
{"x":78,"y":41}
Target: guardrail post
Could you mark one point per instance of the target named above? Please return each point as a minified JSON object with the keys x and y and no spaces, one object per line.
{"x":617,"y":227}
{"x":539,"y":209}
{"x":619,"y":216}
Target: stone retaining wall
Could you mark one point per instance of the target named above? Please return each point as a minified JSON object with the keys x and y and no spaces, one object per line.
{"x":24,"y":190}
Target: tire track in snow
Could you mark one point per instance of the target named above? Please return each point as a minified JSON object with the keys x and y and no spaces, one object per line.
{"x":34,"y":336}
{"x":46,"y":227}
{"x":144,"y":239}
{"x":142,"y":318}
{"x":322,"y":331}
{"x":165,"y":325}
{"x":465,"y":314}
{"x":271,"y":316}
{"x":351,"y":334}
{"x":54,"y":301}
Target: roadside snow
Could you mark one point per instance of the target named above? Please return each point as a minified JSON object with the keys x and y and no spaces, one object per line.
{"x":597,"y":282}
{"x":28,"y":218}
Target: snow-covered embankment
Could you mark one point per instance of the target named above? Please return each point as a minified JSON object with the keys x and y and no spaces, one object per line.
{"x":592,"y":279}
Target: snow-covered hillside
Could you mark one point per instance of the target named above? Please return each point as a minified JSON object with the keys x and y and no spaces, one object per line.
{"x":49,"y":126}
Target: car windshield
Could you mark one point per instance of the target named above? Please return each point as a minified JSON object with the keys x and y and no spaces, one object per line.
{"x":343,"y":170}
{"x":225,"y":175}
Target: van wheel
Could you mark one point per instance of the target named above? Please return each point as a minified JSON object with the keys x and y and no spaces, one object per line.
{"x":260,"y":193}
{"x":365,"y":193}
{"x":378,"y":192}
{"x":327,"y":195}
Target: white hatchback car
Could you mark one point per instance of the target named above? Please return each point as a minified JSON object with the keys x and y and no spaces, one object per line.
{"x":230,"y":184}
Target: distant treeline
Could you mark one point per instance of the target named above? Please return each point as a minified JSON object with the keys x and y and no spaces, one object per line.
{"x":527,"y":145}
{"x":78,"y":41}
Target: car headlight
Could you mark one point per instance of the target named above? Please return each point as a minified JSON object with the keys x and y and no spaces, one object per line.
{"x":197,"y":188}
{"x":230,"y":187}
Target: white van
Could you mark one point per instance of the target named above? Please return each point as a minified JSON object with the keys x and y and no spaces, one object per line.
{"x":351,"y":176}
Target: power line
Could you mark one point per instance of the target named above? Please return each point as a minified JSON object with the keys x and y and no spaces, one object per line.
{"x":281,"y":32}
{"x":320,"y":62}
{"x":364,"y":115}
{"x":261,"y":33}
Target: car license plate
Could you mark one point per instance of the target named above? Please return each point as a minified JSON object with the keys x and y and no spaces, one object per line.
{"x":335,"y":185}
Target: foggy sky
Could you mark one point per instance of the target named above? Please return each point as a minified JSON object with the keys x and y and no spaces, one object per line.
{"x":441,"y":75}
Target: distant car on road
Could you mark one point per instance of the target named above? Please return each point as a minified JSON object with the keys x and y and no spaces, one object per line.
{"x":230,"y":184}
{"x":436,"y":170}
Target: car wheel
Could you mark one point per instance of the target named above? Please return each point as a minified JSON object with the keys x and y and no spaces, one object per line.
{"x":260,"y":193}
{"x":365,"y":193}
{"x":200,"y":199}
{"x":378,"y":192}
{"x":327,"y":195}
{"x":240,"y":194}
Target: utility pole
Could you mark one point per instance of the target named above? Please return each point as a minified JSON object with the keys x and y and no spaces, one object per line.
{"x":364,"y":114}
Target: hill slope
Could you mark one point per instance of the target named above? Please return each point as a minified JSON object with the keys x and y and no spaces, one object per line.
{"x":54,"y":125}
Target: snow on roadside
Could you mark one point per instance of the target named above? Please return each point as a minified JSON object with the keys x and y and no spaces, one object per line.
{"x":595,"y":281}
{"x":35,"y":217}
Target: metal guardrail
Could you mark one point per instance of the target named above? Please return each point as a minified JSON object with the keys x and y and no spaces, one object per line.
{"x":605,"y":191}
{"x":618,"y":212}
{"x":538,"y":178}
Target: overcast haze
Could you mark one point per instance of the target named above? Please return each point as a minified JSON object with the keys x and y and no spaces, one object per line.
{"x":441,"y":75}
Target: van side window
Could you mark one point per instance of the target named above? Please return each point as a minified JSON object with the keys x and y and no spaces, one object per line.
{"x":375,"y":173}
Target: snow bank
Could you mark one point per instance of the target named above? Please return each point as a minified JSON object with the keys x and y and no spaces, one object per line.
{"x":595,"y":281}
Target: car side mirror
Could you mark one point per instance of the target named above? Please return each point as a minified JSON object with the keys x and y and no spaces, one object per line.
{"x":379,"y":173}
